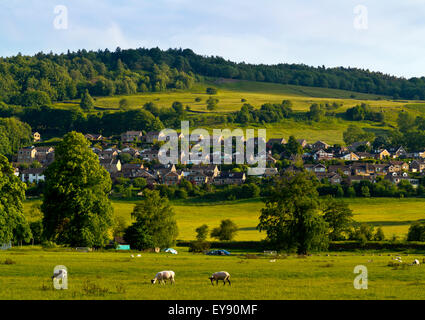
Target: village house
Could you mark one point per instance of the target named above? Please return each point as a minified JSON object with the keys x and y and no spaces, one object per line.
{"x":27,"y":155}
{"x":417,"y":166}
{"x":108,"y":154}
{"x":362,"y":169}
{"x":340,"y":169}
{"x":382,"y":154}
{"x":315,"y":167}
{"x":45,"y":155}
{"x":319,"y":145}
{"x":416,"y":155}
{"x":397,"y":177}
{"x":159,"y":170}
{"x":210,"y":170}
{"x":198,"y":178}
{"x":350,"y":157}
{"x":33,"y":175}
{"x":131,"y":136}
{"x":400,"y":152}
{"x":172,"y":178}
{"x":227,"y":177}
{"x":113,"y":166}
{"x":380,"y":169}
{"x":130,"y":170}
{"x":93,"y":137}
{"x":322,"y":155}
{"x":364,"y":155}
{"x":149,"y":155}
{"x":397,"y":166}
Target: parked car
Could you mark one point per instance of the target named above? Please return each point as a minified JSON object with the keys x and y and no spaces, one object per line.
{"x":218,"y":253}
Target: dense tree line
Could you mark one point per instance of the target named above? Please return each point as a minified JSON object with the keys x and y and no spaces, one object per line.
{"x":267,"y":113}
{"x":34,"y":80}
{"x":364,"y":112}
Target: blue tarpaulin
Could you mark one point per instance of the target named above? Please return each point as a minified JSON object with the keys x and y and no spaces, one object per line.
{"x":123,"y":247}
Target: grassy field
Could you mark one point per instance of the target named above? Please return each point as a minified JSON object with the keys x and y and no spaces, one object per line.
{"x":115,"y":275}
{"x":230,"y":94}
{"x":394,"y":215}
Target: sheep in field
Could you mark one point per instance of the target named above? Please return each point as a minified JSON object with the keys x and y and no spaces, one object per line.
{"x":222,"y":275}
{"x":416,"y":261}
{"x":163,"y":276}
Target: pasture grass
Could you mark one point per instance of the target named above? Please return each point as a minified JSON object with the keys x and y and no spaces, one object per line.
{"x":394,"y":215}
{"x":115,"y":275}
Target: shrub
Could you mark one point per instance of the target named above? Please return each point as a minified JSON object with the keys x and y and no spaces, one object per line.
{"x":199,"y":246}
{"x":226,"y":231}
{"x":416,"y":232}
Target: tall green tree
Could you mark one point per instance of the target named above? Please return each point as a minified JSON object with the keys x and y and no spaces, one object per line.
{"x":293,"y":147}
{"x":155,"y":224}
{"x":13,"y":224}
{"x":87,"y":102}
{"x":292,"y":216}
{"x":76,"y":207}
{"x":339,"y":217}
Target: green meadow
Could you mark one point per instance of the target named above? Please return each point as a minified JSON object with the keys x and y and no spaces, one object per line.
{"x":393,"y":215}
{"x":115,"y":275}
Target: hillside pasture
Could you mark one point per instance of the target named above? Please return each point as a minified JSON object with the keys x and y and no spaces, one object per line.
{"x":393,"y":215}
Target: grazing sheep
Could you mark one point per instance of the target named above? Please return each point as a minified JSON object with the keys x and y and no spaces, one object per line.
{"x":416,"y":261}
{"x":139,"y":256}
{"x":163,"y":276}
{"x":222,"y":275}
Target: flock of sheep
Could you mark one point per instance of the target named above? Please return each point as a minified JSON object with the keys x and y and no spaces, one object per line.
{"x":163,"y":276}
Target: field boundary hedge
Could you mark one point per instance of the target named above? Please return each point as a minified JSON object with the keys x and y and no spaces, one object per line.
{"x":333,"y":246}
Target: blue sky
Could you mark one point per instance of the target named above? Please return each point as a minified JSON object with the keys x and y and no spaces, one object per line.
{"x":315,"y":33}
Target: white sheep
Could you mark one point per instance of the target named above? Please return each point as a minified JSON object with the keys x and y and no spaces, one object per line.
{"x":222,"y":275}
{"x":416,"y":261}
{"x":163,"y":276}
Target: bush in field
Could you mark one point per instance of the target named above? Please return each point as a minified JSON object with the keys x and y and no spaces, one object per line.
{"x":226,"y":231}
{"x":416,"y":232}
